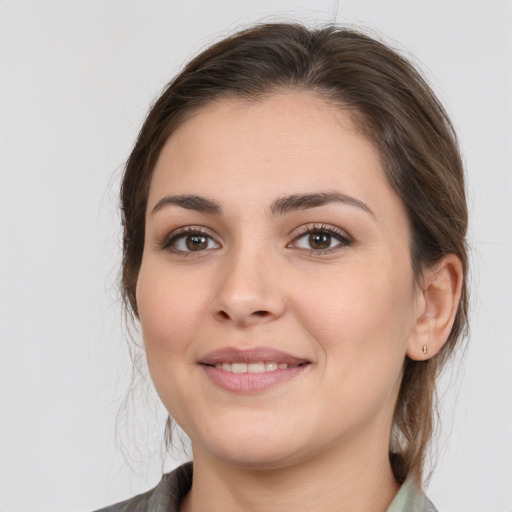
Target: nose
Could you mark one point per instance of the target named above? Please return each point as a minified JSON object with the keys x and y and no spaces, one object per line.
{"x":248,"y":291}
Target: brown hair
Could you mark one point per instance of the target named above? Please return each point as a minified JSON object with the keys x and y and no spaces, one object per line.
{"x":392,"y":105}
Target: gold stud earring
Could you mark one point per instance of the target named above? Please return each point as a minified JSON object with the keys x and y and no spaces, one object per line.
{"x":425,"y":349}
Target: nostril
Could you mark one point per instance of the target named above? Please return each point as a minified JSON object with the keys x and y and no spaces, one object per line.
{"x":243,"y":317}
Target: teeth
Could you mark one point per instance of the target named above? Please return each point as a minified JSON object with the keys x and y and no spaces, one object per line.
{"x":239,"y":368}
{"x":256,"y":368}
{"x":259,"y":367}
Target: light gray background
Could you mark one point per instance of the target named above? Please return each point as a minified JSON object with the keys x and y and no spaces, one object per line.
{"x":76,"y":78}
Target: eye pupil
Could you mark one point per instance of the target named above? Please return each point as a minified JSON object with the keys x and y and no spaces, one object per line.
{"x":196,"y":242}
{"x":320,"y":240}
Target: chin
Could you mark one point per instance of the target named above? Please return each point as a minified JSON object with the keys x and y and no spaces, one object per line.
{"x":255,"y":458}
{"x":250,"y":448}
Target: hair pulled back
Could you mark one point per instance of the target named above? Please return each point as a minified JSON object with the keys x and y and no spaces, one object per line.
{"x":391,"y":105}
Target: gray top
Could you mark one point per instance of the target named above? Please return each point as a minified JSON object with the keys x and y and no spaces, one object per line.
{"x":167,"y":496}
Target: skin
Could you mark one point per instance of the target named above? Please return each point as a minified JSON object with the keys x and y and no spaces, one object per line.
{"x":353,"y":311}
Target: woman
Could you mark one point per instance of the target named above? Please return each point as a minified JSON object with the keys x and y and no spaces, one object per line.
{"x":294,"y":248}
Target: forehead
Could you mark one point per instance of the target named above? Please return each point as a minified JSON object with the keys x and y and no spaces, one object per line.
{"x":286,"y":143}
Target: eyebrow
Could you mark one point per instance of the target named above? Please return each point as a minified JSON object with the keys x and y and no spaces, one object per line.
{"x":281,"y":206}
{"x":286,"y":204}
{"x":189,"y":202}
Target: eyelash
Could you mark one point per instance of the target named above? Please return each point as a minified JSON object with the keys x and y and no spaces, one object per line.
{"x":168,"y":243}
{"x":181,"y":234}
{"x":336,"y":233}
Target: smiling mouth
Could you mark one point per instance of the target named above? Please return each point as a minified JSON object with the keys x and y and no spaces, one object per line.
{"x":251,"y":370}
{"x":252,"y":360}
{"x":259,"y":367}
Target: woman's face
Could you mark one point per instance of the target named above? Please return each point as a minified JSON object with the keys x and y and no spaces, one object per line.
{"x":276,"y":292}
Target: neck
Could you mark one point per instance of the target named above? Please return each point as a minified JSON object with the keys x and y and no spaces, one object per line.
{"x":356,"y":482}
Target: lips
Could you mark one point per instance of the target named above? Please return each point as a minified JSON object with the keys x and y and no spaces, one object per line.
{"x":251,"y":370}
{"x":256,"y":355}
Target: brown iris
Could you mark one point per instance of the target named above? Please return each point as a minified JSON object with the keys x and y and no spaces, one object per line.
{"x":319,"y":240}
{"x":196,"y":242}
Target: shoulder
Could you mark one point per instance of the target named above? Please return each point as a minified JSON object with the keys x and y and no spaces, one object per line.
{"x":411,"y":499}
{"x":165,"y":497}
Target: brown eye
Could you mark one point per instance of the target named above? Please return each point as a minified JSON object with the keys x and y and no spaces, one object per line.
{"x":189,"y":241}
{"x":319,"y":241}
{"x":196,"y":242}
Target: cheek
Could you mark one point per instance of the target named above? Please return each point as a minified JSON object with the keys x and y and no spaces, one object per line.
{"x":170,"y":308}
{"x":170,"y":313}
{"x":363,"y":313}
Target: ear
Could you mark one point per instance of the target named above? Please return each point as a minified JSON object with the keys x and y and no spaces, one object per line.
{"x":437,"y":306}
